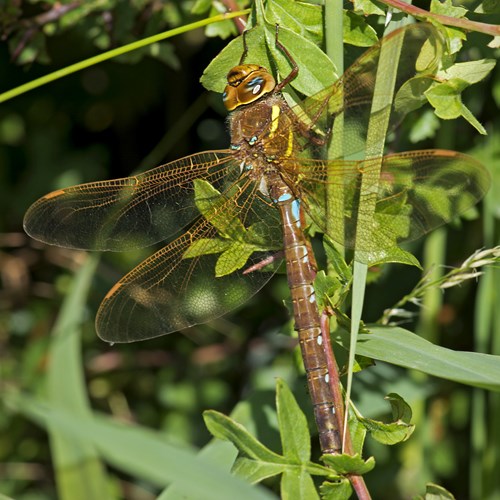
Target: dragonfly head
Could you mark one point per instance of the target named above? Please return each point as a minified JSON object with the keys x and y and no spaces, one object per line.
{"x":245,"y":84}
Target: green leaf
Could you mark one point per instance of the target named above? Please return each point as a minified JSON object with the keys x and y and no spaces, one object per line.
{"x":79,"y":470}
{"x":260,"y":234}
{"x":397,"y":431}
{"x":255,"y":471}
{"x":295,"y":437}
{"x":425,"y":127}
{"x":349,"y":464}
{"x":403,"y":348}
{"x":470,"y":71}
{"x":436,"y":492}
{"x":447,"y":8}
{"x":445,"y":98}
{"x":223,"y":30}
{"x":358,"y":434}
{"x":357,"y":31}
{"x":228,"y":429}
{"x":337,"y":261}
{"x":488,"y":7}
{"x":392,"y":433}
{"x":368,"y":7}
{"x":201,"y":6}
{"x":233,"y":258}
{"x":213,"y":206}
{"x":144,"y":454}
{"x":300,"y":17}
{"x":206,"y":246}
{"x":325,"y":287}
{"x":411,"y":95}
{"x":341,"y":490}
{"x":297,"y":483}
{"x":400,"y":408}
{"x":316,"y":69}
{"x":388,"y":255}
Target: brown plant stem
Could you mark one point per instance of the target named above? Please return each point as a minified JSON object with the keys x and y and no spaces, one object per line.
{"x":463,"y":23}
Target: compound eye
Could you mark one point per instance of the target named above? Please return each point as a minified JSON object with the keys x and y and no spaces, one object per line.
{"x":255,"y":85}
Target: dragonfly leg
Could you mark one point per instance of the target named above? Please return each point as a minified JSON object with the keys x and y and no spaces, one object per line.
{"x":295,"y":68}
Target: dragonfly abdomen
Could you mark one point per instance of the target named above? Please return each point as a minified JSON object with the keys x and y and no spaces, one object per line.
{"x":300,"y":275}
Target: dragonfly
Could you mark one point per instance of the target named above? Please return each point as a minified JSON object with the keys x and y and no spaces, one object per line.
{"x":240,"y":206}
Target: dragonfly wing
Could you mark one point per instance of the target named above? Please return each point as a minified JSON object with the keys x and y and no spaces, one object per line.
{"x":200,"y":275}
{"x":375,"y":205}
{"x":415,"y":49}
{"x":132,"y":212}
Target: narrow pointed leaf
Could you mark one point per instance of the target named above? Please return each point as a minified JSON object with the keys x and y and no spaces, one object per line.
{"x":226,"y":428}
{"x":404,"y":348}
{"x":255,"y":471}
{"x":295,"y":437}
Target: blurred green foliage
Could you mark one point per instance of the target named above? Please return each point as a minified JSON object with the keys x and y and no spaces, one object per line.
{"x":147,"y":108}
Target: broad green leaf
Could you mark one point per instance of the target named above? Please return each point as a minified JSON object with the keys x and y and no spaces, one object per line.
{"x":316,"y":69}
{"x":403,"y":348}
{"x":470,"y":71}
{"x":297,"y":483}
{"x":357,"y":31}
{"x":445,"y":98}
{"x":233,"y":258}
{"x":300,"y":17}
{"x":447,"y":8}
{"x":228,"y":429}
{"x":368,"y":7}
{"x":255,"y":471}
{"x":411,"y":95}
{"x":340,"y":490}
{"x":295,"y":437}
{"x":349,"y":464}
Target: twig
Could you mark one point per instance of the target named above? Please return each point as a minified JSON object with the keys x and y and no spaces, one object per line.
{"x":466,"y":24}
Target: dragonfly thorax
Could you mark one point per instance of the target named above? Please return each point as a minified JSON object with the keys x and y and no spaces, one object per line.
{"x":262,"y":139}
{"x":246,"y":84}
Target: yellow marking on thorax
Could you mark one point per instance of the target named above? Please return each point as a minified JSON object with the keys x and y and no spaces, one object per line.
{"x":275,"y":114}
{"x":289,"y":148}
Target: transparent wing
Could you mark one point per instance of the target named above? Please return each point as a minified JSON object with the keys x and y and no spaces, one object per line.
{"x":200,"y":275}
{"x":377,"y":204}
{"x":127,"y":213}
{"x":411,"y":58}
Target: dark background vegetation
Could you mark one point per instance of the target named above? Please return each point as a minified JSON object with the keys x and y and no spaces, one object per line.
{"x":138,"y":112}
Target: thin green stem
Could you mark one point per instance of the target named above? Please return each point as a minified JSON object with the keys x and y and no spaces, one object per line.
{"x":110,"y":54}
